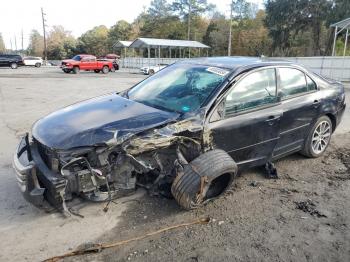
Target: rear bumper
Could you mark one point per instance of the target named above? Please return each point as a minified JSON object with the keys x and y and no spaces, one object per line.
{"x":38,"y":184}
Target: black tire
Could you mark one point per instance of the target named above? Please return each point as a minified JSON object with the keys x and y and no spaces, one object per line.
{"x":204,"y":179}
{"x":76,"y":70}
{"x":14,"y":65}
{"x":105,"y":69}
{"x":97,"y":71}
{"x":38,"y":65}
{"x":67,"y":71}
{"x":308,"y":150}
{"x":151,"y":72}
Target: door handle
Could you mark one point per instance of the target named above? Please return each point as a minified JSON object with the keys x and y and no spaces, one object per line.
{"x":271,"y":119}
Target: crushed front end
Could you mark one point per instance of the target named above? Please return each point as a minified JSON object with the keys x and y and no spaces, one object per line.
{"x":108,"y":170}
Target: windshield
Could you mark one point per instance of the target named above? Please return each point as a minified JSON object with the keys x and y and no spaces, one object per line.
{"x":77,"y":58}
{"x":180,"y":87}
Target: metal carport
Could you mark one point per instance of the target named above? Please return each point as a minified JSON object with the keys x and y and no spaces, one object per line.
{"x":338,"y":28}
{"x":158,"y":44}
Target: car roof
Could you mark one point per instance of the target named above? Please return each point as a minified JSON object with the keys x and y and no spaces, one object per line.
{"x":234,"y":62}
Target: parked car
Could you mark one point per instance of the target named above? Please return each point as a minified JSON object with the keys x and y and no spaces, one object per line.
{"x":112,"y":58}
{"x":184,"y":131}
{"x":87,"y":63}
{"x":150,"y":70}
{"x":33,"y":61}
{"x":13,"y":61}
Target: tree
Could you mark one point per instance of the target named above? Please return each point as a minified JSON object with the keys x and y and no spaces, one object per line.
{"x":217,"y":34}
{"x":159,"y":8}
{"x":2,"y":44}
{"x":36,"y":44}
{"x":120,"y":31}
{"x":287,"y":18}
{"x":60,"y":43}
{"x":94,"y":41}
{"x":187,"y":9}
{"x":159,"y":22}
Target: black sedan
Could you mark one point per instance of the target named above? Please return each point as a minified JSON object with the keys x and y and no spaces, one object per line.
{"x":182,"y":132}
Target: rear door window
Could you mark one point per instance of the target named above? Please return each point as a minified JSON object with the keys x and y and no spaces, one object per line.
{"x":293,"y":82}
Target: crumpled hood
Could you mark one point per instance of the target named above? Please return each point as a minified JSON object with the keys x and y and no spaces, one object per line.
{"x":96,"y":121}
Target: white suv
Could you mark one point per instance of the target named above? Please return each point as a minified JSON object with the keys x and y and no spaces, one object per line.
{"x":33,"y":61}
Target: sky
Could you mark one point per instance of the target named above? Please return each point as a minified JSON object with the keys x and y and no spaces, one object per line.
{"x":76,"y":16}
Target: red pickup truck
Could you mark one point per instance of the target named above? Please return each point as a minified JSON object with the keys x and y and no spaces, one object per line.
{"x":86,"y":62}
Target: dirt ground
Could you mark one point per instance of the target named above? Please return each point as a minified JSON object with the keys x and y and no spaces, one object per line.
{"x":302,"y":216}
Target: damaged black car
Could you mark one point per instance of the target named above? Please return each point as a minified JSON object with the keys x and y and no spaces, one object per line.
{"x":183,"y":132}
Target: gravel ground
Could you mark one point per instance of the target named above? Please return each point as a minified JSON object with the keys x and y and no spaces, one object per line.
{"x":302,"y":216}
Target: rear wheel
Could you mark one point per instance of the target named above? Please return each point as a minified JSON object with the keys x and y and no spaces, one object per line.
{"x":105,"y":70}
{"x":66,"y":70}
{"x":76,"y":70}
{"x":151,"y":72}
{"x":319,"y":138}
{"x":38,"y":65}
{"x":14,"y":65}
{"x":205,"y":178}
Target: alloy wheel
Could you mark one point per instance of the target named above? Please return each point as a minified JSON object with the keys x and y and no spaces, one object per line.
{"x":321,"y":137}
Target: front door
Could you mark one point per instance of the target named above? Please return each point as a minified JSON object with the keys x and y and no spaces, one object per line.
{"x":249,"y":128}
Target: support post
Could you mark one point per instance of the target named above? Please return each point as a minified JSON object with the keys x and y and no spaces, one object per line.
{"x":149,"y":55}
{"x":335,"y":40}
{"x":346,"y":41}
{"x":189,"y":52}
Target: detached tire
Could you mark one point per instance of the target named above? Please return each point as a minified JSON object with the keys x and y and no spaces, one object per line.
{"x":318,"y":138}
{"x":205,"y":178}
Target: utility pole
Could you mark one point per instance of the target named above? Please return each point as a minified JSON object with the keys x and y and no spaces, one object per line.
{"x":230,"y":32}
{"x":11,"y":43}
{"x":189,"y":20}
{"x":44,"y":29}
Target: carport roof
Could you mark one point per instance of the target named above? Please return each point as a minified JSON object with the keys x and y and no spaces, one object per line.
{"x":342,"y":24}
{"x":164,"y":43}
{"x":122,"y":44}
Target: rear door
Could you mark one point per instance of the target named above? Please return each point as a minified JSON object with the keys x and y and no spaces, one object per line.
{"x":300,"y":103}
{"x":249,"y":127}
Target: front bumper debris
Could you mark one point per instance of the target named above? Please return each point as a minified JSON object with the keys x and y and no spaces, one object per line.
{"x":37,"y":183}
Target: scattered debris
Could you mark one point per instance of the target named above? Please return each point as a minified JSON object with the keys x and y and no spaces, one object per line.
{"x":95,"y":248}
{"x":254,"y":183}
{"x":309,"y":207}
{"x":271,"y":171}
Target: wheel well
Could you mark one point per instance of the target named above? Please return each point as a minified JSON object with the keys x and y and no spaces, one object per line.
{"x":333,"y":120}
